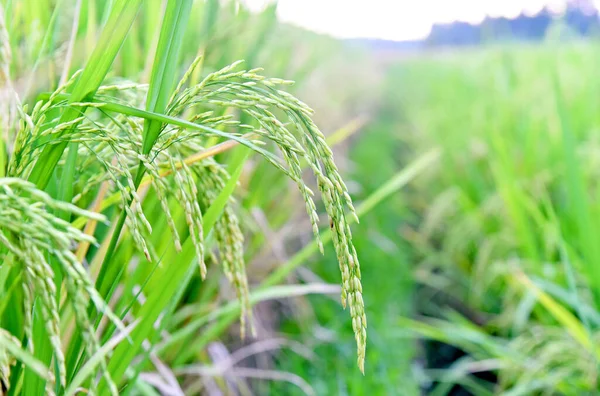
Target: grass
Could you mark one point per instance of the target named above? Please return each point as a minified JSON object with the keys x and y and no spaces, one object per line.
{"x":157,"y":200}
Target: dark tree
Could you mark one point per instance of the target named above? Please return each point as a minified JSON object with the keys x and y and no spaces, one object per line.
{"x":580,"y":17}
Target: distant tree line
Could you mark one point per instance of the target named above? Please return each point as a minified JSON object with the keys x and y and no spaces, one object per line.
{"x":580,"y":18}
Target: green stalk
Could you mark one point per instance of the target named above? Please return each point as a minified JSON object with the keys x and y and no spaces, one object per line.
{"x":164,"y":70}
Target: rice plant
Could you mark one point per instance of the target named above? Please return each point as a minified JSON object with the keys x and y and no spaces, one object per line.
{"x":112,"y":199}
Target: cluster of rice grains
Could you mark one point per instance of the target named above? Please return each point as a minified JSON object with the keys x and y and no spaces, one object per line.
{"x":41,"y":242}
{"x":114,"y":140}
{"x":7,"y":359}
{"x":259,"y":98}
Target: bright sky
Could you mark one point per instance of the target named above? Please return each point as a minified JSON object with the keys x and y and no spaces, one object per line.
{"x":395,"y":19}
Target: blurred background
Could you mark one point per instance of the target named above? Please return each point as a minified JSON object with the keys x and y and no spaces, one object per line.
{"x":469,"y":134}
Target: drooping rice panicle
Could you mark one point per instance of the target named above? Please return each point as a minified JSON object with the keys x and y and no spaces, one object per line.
{"x":253,"y":94}
{"x":110,"y":146}
{"x":40,"y":234}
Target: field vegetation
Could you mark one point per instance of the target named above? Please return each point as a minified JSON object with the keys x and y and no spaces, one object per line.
{"x":164,"y":201}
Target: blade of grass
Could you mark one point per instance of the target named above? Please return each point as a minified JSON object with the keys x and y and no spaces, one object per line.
{"x":33,"y":383}
{"x":90,"y":366}
{"x":164,"y":71}
{"x":561,"y":314}
{"x":347,"y":130}
{"x":231,"y":310}
{"x":6,"y":287}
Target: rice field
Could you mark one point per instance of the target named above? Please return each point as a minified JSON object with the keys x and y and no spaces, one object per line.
{"x":166,"y":190}
{"x":506,"y":240}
